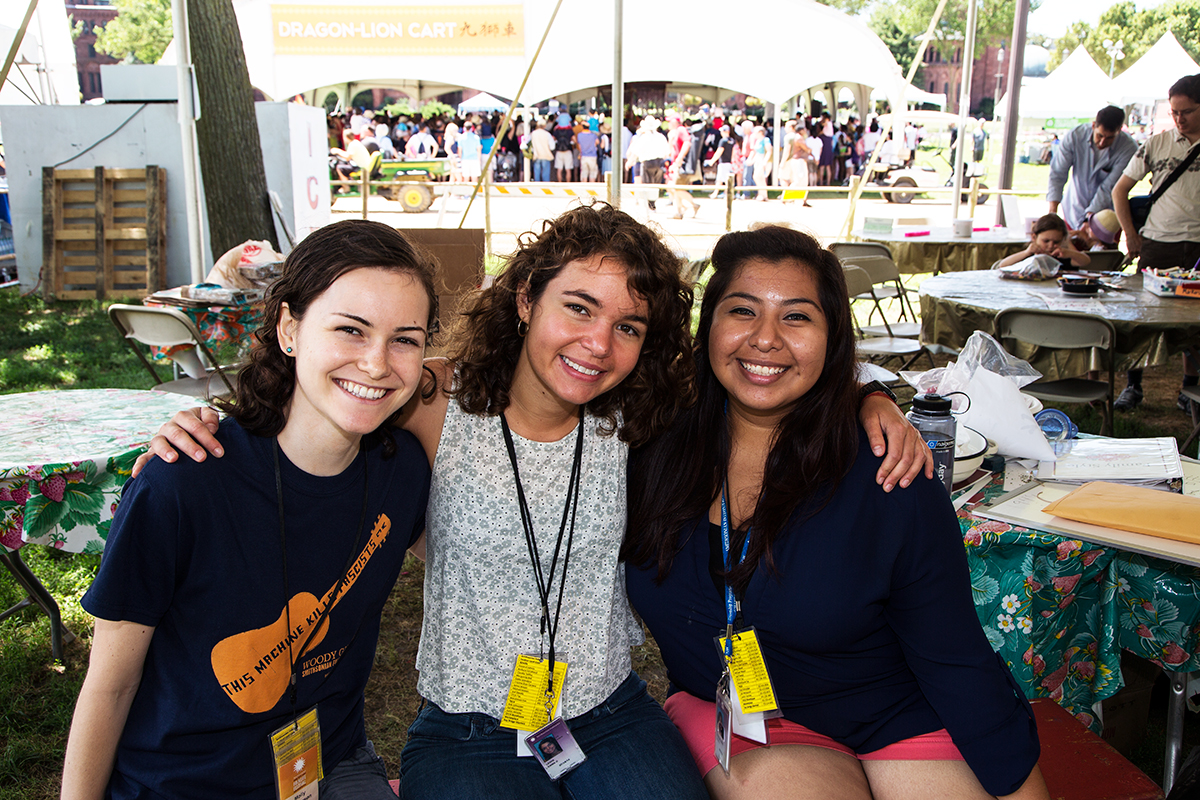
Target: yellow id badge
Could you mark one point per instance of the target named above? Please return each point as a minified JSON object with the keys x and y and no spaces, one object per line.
{"x":525,"y":708}
{"x":297,"y":751}
{"x":749,"y":673}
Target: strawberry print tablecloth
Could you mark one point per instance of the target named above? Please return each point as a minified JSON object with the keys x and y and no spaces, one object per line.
{"x":64,"y":456}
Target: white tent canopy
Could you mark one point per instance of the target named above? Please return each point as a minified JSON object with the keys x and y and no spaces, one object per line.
{"x":1077,"y":89}
{"x":44,"y":71}
{"x":913,"y":94}
{"x":289,"y":56}
{"x":1152,"y":74}
{"x":481,"y":102}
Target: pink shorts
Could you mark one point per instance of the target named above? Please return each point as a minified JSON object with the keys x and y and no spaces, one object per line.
{"x":696,"y":720}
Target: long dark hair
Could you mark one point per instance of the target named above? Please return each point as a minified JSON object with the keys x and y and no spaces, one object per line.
{"x":676,"y":478}
{"x":268,"y":380}
{"x":485,"y":345}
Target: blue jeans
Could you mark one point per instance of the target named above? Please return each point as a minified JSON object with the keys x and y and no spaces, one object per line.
{"x":542,"y":168}
{"x":633,"y":751}
{"x":361,"y":775}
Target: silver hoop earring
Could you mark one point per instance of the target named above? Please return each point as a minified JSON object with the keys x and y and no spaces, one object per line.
{"x":522,"y":328}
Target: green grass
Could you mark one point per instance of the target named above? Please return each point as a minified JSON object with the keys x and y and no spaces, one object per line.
{"x":64,"y":345}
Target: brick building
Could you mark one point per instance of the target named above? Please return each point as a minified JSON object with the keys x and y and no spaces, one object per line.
{"x":942,"y":71}
{"x":86,"y":15}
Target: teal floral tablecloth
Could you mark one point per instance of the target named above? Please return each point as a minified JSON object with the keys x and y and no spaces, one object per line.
{"x":64,"y":456}
{"x":1060,"y":610}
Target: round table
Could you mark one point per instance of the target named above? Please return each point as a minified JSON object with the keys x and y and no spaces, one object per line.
{"x":1150,"y":329}
{"x":941,"y":251}
{"x":64,"y":456}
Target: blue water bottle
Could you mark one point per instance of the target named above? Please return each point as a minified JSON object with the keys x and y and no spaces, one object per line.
{"x":930,"y":415}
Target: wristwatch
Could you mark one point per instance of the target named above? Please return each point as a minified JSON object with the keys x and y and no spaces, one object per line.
{"x":875,"y":387}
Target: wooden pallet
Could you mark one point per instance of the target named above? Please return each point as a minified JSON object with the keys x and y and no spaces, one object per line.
{"x":103,"y":232}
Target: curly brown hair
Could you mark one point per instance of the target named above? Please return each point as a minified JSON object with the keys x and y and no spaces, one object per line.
{"x":267,"y":381}
{"x":485,"y":344}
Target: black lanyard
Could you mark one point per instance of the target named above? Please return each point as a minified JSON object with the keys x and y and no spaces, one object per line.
{"x":545,"y":583}
{"x":336,"y":590}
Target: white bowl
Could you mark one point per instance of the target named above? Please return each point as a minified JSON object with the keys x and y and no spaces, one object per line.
{"x":970,"y":447}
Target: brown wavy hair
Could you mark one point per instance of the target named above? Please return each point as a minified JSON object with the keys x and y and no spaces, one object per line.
{"x":267,"y":381}
{"x":675,"y":479}
{"x":485,"y":345}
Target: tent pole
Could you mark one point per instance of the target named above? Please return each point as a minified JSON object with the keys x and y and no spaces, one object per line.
{"x":1016,"y":69}
{"x":964,"y":107}
{"x":512,"y":107}
{"x":617,"y":117}
{"x":187,"y":129}
{"x":918,"y":58}
{"x":16,"y":45}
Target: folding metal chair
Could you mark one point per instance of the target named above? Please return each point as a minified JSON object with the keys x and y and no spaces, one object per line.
{"x":883,"y":348}
{"x":886,"y":284}
{"x":166,"y":327}
{"x":1064,"y":330}
{"x":1106,"y":260}
{"x":1192,"y":393}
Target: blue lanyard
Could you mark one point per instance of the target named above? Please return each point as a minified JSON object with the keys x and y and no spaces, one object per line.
{"x":731,"y":603}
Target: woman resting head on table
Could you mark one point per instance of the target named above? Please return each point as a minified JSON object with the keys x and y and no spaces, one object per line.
{"x":236,"y":596}
{"x":580,"y":346}
{"x":859,"y":599}
{"x":1048,"y":237}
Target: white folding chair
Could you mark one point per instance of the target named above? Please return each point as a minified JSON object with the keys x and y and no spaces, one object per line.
{"x":1064,"y":330}
{"x":166,"y":327}
{"x":886,"y":284}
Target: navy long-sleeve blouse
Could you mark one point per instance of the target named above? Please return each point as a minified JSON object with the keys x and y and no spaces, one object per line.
{"x":867,"y":626}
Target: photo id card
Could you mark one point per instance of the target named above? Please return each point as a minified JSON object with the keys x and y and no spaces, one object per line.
{"x":723,"y":733}
{"x":296,"y":748}
{"x":555,"y":748}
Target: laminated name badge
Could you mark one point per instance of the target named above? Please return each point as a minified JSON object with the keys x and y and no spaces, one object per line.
{"x":748,"y":670}
{"x":297,"y":751}
{"x":527,"y":708}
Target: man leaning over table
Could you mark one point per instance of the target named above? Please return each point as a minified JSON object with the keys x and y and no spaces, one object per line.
{"x":1171,"y":235}
{"x":1094,"y":154}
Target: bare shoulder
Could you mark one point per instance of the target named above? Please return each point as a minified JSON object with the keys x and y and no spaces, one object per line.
{"x":425,"y":414}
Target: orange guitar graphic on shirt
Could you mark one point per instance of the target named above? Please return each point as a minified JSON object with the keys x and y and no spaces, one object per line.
{"x":253,"y":667}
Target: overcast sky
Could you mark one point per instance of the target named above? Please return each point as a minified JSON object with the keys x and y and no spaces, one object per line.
{"x":1054,"y":16}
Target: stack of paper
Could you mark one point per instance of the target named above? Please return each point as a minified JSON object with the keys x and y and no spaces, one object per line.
{"x":1135,"y":462}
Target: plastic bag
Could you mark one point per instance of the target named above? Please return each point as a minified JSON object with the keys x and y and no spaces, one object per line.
{"x":1039,"y":267}
{"x":991,"y":378}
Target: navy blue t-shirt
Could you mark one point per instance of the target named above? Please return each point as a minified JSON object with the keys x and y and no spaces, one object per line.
{"x":868,"y":627}
{"x":195,"y":551}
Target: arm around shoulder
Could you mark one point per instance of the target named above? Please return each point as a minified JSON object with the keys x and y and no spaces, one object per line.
{"x":425,"y":414}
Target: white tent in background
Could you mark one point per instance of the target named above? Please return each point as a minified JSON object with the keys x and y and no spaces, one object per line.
{"x":1077,"y":89}
{"x":480,"y":103}
{"x":912,"y":94}
{"x":342,"y":46}
{"x":44,"y":72}
{"x":1152,"y":74}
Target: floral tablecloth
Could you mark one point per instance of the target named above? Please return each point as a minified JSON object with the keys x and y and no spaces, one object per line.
{"x":1060,"y":610}
{"x":64,"y":456}
{"x":218,"y":325}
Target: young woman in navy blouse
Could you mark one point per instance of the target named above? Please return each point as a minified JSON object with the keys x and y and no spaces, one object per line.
{"x":860,"y":598}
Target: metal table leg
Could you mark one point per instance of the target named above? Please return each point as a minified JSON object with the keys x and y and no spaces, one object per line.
{"x":37,"y":594}
{"x":1176,"y":708}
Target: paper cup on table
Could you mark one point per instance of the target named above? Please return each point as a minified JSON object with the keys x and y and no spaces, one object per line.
{"x":962,"y":228}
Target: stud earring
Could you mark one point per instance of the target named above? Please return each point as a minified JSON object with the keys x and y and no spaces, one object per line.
{"x":289,"y":351}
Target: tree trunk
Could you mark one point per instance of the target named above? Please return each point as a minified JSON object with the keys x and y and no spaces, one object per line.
{"x":235,"y":184}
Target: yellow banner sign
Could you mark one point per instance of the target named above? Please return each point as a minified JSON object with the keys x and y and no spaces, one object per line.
{"x":399,"y":30}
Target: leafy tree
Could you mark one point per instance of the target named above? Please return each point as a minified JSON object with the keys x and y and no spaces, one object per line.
{"x":1138,"y":30}
{"x":849,"y":6}
{"x":140,"y":32}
